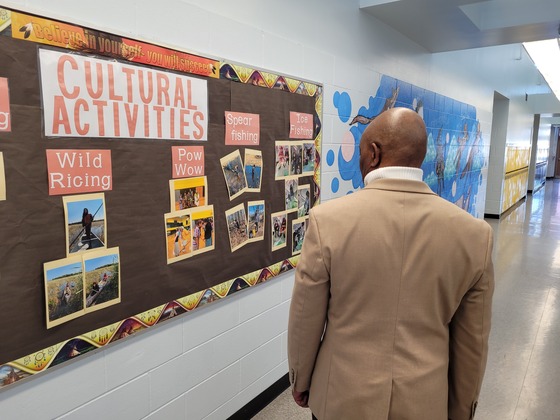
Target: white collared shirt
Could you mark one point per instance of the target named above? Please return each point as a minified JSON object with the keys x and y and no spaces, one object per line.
{"x":395,"y":172}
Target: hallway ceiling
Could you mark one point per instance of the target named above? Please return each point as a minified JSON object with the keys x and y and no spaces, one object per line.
{"x":451,"y":25}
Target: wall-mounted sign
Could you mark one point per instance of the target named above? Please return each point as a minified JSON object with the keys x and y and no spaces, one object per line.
{"x":90,"y":97}
{"x":301,"y":125}
{"x":187,"y":161}
{"x":242,"y":129}
{"x":79,"y":171}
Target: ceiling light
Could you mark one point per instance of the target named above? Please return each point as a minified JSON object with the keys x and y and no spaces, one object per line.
{"x":546,"y":56}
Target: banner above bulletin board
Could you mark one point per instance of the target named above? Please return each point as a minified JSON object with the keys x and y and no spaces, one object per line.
{"x":138,"y":183}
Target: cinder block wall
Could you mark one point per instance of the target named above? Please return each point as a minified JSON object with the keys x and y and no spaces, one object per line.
{"x":210,"y":363}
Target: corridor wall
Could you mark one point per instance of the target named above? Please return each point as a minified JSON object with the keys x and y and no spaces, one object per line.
{"x":208,"y":364}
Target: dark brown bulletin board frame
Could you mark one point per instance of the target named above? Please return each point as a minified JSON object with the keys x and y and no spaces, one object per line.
{"x":32,"y":222}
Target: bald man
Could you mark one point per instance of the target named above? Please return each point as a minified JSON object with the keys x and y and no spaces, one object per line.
{"x":391,"y":306}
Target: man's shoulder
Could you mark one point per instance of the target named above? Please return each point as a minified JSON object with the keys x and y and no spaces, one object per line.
{"x":461,"y":218}
{"x":336,"y":205}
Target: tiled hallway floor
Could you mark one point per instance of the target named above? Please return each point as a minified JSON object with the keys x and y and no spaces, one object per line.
{"x":522,"y":379}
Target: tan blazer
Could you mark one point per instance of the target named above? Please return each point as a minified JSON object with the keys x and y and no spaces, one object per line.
{"x":401,"y":283}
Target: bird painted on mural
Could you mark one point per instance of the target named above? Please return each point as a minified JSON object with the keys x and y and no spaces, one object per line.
{"x":417,"y":105}
{"x":466,"y":199}
{"x":462,"y":143}
{"x":389,"y":103}
{"x":440,"y":162}
{"x":473,"y":152}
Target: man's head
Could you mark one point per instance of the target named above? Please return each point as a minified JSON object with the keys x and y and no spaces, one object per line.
{"x":397,"y":137}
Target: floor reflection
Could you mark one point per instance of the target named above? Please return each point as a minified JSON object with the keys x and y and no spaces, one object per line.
{"x":523,"y":374}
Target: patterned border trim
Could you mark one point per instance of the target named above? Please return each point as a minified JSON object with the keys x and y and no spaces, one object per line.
{"x":69,"y":349}
{"x":62,"y":352}
{"x":76,"y":38}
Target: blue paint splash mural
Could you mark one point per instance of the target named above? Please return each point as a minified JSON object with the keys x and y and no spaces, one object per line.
{"x":456,"y":156}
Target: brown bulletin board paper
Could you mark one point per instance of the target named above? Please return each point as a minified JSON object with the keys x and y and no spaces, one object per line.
{"x":36,"y":226}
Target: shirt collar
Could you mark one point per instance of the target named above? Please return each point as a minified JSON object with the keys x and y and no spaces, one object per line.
{"x":395,"y":172}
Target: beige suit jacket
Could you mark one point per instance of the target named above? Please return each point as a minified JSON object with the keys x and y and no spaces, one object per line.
{"x":400,"y":281}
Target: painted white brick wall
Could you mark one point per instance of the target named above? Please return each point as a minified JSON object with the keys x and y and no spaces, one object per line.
{"x":210,"y":363}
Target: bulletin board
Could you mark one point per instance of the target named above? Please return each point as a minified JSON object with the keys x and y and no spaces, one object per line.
{"x":198,"y":175}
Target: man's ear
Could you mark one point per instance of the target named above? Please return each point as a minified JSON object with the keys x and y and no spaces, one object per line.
{"x":376,"y":155}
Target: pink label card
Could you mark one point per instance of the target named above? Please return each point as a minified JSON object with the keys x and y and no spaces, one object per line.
{"x":5,"y":121}
{"x":242,"y":129}
{"x":301,"y":125}
{"x":188,"y":161}
{"x":79,"y":171}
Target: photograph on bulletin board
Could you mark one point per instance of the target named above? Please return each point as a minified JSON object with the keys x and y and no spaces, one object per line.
{"x":226,"y":154}
{"x":102,"y":279}
{"x":188,"y":192}
{"x":256,"y":212}
{"x":86,"y":227}
{"x":279,"y":222}
{"x":253,"y":169}
{"x":64,"y":287}
{"x":179,"y":236}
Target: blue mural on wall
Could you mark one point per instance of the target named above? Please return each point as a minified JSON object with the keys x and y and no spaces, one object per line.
{"x":455,"y":156}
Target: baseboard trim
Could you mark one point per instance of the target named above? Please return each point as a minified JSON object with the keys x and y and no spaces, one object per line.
{"x":251,"y":409}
